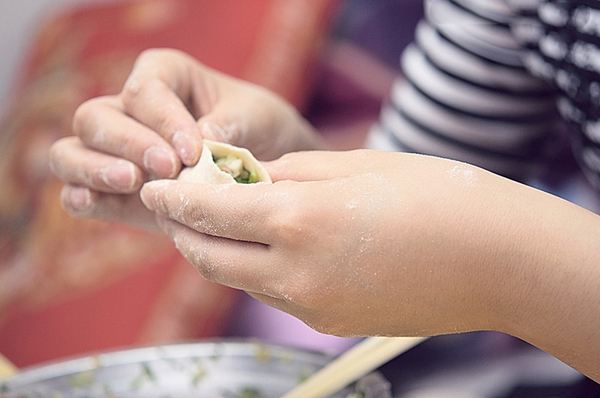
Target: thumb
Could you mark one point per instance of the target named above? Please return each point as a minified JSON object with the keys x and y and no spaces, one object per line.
{"x":315,"y":165}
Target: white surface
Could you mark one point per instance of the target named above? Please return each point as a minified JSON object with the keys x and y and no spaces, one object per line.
{"x":19,"y":21}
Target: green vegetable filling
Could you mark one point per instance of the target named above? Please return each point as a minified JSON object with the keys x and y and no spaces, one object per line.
{"x":235,"y":168}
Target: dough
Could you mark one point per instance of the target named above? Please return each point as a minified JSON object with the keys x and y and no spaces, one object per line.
{"x":239,"y":165}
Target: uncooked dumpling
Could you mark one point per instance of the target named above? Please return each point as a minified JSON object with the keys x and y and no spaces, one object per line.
{"x":225,"y":164}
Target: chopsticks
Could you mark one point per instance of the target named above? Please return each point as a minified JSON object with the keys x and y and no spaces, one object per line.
{"x":352,"y":365}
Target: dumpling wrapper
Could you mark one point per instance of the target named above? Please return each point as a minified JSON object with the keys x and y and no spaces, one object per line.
{"x":208,"y":172}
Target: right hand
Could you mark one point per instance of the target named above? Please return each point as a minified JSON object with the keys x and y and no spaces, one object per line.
{"x":155,"y":126}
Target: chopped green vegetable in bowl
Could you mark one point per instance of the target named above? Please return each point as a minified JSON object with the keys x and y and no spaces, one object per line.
{"x":219,"y":369}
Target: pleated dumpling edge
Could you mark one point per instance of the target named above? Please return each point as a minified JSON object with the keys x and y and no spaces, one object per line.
{"x":222,"y":163}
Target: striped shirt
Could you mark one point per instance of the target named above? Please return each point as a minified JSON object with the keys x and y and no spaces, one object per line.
{"x":494,"y":83}
{"x":497,"y":83}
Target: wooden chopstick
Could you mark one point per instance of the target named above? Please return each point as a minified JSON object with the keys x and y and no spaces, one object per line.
{"x":352,"y":365}
{"x":7,"y":369}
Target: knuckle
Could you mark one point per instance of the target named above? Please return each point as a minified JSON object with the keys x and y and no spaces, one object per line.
{"x":149,"y":54}
{"x":202,"y":266}
{"x":83,"y":116}
{"x":149,"y":57}
{"x":296,"y":223}
{"x":56,"y":150}
{"x":206,"y":270}
{"x":153,"y":55}
{"x":150,"y":64}
{"x":290,"y":225}
{"x":57,"y":153}
{"x":85,"y":120}
{"x":131,"y":92}
{"x":134,"y":93}
{"x":204,"y":254}
{"x":204,"y":263}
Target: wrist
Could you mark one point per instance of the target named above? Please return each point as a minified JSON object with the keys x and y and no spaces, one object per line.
{"x":519,"y":229}
{"x":512,"y":259}
{"x":505,"y":236}
{"x":548,"y":284}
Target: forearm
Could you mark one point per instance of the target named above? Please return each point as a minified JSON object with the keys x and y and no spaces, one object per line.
{"x":516,"y":260}
{"x":551,"y":286}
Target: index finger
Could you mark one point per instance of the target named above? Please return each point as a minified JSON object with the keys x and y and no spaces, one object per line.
{"x":233,"y":211}
{"x":156,"y":94}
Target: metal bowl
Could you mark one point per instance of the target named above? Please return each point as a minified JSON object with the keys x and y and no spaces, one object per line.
{"x":210,"y":369}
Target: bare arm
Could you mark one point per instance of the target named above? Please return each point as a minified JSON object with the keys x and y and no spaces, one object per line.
{"x":370,"y":243}
{"x":552,"y":293}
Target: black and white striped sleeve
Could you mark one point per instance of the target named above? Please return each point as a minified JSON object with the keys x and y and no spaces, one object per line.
{"x":466,"y":94}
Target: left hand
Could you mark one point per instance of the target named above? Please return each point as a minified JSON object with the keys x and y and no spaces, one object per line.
{"x":155,"y":126}
{"x":359,"y":243}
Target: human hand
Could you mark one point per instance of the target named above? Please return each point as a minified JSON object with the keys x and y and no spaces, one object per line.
{"x":155,"y":126}
{"x":352,"y":243}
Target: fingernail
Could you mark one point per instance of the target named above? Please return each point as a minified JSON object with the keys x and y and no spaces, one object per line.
{"x":77,"y":199}
{"x":119,"y":176}
{"x":160,"y":162}
{"x":185,"y":147}
{"x":147,"y":196}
